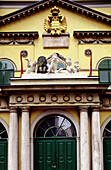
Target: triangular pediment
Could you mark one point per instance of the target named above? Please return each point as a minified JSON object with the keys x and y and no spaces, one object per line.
{"x":68,"y":4}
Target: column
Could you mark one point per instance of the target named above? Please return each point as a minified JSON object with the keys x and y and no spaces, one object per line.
{"x":25,"y":140}
{"x":84,"y":139}
{"x":13,"y":140}
{"x":96,"y":140}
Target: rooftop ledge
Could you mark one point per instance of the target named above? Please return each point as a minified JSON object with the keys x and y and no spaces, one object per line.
{"x":54,"y":79}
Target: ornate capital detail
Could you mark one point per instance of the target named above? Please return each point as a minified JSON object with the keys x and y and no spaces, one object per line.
{"x":83,"y":108}
{"x":95,"y":109}
{"x":13,"y":109}
{"x":25,"y":108}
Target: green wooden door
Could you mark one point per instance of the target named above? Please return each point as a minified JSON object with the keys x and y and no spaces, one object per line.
{"x":107,"y":153}
{"x":3,"y":154}
{"x":55,"y":153}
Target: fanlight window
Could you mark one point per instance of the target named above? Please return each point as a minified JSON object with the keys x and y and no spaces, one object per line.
{"x":105,"y":71}
{"x":3,"y":133}
{"x":55,"y":126}
{"x":6,"y":72}
{"x":107,"y":130}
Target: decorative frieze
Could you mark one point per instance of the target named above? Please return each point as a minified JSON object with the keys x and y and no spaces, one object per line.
{"x":17,"y":42}
{"x":94,"y":41}
{"x":18,"y":38}
{"x":54,"y":98}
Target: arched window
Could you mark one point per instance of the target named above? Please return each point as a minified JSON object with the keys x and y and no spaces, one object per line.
{"x":107,"y":130}
{"x":55,"y":126}
{"x":105,"y":71}
{"x":3,"y":148}
{"x":107,"y":146}
{"x":3,"y":132}
{"x":6,"y":72}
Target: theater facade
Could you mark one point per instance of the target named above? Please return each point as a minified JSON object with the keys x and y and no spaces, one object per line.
{"x":55,"y":93}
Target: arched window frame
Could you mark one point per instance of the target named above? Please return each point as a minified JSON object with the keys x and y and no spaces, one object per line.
{"x":6,"y":72}
{"x":62,"y":127}
{"x":104,"y":71}
{"x":106,"y":121}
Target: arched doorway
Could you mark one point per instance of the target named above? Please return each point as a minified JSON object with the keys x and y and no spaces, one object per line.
{"x":107,"y":146}
{"x":3,"y":148}
{"x":55,"y":144}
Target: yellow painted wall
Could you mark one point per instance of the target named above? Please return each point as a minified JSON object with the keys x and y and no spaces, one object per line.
{"x":75,"y":22}
{"x":36,"y":112}
{"x":4,"y":11}
{"x":104,"y":115}
{"x":35,"y":22}
{"x":105,"y":10}
{"x":5,"y":116}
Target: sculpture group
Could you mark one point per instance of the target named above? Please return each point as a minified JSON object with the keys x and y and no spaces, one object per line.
{"x":50,"y":65}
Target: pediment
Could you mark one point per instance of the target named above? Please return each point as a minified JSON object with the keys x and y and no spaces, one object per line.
{"x":68,"y":4}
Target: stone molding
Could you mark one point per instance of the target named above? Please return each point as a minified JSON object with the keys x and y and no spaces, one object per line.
{"x":3,"y":103}
{"x":58,"y":98}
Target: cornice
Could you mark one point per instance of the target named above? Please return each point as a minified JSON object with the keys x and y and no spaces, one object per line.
{"x":92,"y":34}
{"x":28,"y":35}
{"x":68,"y":4}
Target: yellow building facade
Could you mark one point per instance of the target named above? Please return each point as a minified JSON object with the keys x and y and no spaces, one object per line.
{"x":55,"y":75}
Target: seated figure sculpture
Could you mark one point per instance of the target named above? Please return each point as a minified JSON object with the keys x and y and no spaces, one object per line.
{"x":70,"y":68}
{"x":31,"y":68}
{"x":53,"y":63}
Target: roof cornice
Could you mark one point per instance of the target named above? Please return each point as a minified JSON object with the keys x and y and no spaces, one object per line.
{"x":71,"y":5}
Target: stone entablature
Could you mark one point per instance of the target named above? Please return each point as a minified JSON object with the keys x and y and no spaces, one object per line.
{"x":54,"y":98}
{"x":4,"y":103}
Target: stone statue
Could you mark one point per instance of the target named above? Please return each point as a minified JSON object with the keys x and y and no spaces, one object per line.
{"x":53,"y":63}
{"x":31,"y":68}
{"x":70,"y":68}
{"x":76,"y":66}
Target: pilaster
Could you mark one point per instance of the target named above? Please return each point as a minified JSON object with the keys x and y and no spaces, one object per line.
{"x":84,"y":139}
{"x":13,"y":140}
{"x":25,"y":139}
{"x":96,"y":140}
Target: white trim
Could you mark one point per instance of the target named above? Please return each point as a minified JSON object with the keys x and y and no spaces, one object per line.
{"x":104,"y":58}
{"x":54,"y":112}
{"x":5,"y":125}
{"x":7,"y":59}
{"x":102,"y":130}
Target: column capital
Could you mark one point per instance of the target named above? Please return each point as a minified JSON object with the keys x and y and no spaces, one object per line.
{"x":83,"y":108}
{"x":25,"y":108}
{"x":13,"y":109}
{"x":95,"y":109}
